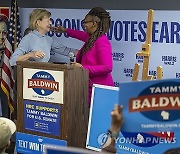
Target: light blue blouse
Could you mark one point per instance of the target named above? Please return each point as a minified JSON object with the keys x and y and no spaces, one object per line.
{"x":35,"y":41}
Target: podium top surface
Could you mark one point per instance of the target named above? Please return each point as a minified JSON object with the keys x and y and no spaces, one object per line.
{"x":33,"y":64}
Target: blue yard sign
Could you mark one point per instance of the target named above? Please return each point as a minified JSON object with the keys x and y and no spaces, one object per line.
{"x":102,"y":103}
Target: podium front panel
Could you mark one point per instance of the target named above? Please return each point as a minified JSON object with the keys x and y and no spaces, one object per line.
{"x":53,"y":101}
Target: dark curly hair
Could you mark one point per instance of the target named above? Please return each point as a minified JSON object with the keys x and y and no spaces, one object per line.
{"x":103,"y":27}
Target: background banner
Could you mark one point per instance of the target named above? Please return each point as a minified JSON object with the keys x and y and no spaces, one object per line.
{"x":127,"y":34}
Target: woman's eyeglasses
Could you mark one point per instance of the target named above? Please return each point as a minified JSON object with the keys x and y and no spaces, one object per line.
{"x":85,"y":22}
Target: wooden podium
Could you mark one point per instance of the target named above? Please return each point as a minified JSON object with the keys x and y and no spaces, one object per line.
{"x":74,"y":110}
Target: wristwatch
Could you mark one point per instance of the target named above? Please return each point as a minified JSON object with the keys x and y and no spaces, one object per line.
{"x":113,"y":134}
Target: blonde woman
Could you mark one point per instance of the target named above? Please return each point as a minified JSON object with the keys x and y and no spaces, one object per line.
{"x":36,"y":46}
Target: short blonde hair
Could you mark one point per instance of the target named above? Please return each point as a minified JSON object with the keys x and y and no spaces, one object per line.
{"x":37,"y":14}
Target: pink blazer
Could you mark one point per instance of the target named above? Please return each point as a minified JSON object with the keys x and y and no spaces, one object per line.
{"x":98,"y":60}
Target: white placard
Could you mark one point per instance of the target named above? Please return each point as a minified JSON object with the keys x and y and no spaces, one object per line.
{"x":43,"y":85}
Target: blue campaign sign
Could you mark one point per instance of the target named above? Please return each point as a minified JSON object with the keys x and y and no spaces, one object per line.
{"x":42,"y":117}
{"x":103,"y":100}
{"x":154,"y":105}
{"x":102,"y":103}
{"x":27,"y":143}
{"x":147,"y":143}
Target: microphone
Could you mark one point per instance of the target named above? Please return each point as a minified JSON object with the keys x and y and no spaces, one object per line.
{"x":71,"y":56}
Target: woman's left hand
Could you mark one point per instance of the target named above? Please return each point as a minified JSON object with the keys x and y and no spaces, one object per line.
{"x":76,"y":64}
{"x":59,"y":29}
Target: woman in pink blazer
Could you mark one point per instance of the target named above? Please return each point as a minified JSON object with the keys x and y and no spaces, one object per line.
{"x":96,"y":53}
